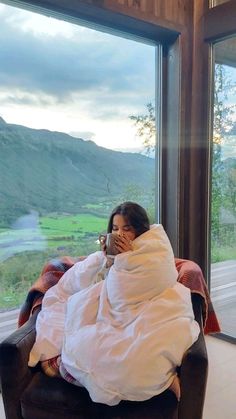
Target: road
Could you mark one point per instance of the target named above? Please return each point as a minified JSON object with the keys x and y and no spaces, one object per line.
{"x":223,"y":295}
{"x":8,"y":323}
{"x":223,"y":282}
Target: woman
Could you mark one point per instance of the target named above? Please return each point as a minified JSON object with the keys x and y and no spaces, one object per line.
{"x":127,"y":221}
{"x":121,"y":338}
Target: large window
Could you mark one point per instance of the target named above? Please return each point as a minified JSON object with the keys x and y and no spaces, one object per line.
{"x":73,"y":104}
{"x":223,"y":210}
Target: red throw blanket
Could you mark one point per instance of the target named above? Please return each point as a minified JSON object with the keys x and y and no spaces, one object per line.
{"x":190,"y":275}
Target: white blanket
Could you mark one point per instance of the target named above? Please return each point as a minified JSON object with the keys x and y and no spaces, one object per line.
{"x":121,"y":338}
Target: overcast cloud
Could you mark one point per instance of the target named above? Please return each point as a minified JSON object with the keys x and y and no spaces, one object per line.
{"x":59,"y":66}
{"x":44,"y":62}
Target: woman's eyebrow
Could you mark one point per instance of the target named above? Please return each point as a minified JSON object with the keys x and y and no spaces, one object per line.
{"x":125,"y":225}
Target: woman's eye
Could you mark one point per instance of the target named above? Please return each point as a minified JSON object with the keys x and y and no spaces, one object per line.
{"x":114,"y":228}
{"x":127,"y":228}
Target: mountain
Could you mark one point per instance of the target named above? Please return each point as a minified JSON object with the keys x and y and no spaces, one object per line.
{"x":54,"y":172}
{"x":2,"y":122}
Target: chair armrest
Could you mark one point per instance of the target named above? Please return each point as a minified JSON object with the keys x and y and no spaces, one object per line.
{"x":14,"y":371}
{"x":193,"y":372}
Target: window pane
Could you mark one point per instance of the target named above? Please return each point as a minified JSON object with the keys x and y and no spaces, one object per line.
{"x":223,"y":212}
{"x":69,"y":149}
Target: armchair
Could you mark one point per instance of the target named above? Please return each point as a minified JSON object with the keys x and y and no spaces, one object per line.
{"x":29,"y":394}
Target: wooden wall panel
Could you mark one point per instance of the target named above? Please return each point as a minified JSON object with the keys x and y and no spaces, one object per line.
{"x":220,"y":21}
{"x":194,"y":221}
{"x":174,"y":15}
{"x":175,"y":11}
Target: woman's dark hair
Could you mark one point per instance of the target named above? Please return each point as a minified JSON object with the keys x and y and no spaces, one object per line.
{"x":135,"y":215}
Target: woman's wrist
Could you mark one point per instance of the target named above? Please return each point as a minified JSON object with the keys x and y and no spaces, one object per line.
{"x":109,"y":262}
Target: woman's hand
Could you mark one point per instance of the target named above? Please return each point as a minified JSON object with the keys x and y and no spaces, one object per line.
{"x":123,"y":244}
{"x":109,"y":262}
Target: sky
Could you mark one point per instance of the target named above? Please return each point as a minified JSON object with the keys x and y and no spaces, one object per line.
{"x":63,"y":77}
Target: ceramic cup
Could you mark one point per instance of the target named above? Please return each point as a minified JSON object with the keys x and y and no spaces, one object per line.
{"x":109,"y":240}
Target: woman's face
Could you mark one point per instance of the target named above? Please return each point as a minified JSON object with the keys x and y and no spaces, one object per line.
{"x":122,"y":228}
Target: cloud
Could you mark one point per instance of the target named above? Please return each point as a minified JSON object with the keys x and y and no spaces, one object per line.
{"x":29,"y":99}
{"x":110,"y":74}
{"x":85,"y":135}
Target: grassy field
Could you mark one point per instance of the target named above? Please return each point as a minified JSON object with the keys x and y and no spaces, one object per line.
{"x":58,"y":230}
{"x":23,"y":252}
{"x":220,"y":254}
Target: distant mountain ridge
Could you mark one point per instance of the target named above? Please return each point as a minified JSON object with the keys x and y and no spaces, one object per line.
{"x":51,"y":171}
{"x":2,"y":121}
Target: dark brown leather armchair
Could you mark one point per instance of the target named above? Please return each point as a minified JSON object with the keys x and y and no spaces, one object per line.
{"x":29,"y":394}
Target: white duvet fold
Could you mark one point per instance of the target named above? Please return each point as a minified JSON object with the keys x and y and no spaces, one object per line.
{"x":121,"y":338}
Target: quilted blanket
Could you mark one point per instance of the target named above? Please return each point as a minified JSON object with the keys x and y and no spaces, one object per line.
{"x":121,"y":338}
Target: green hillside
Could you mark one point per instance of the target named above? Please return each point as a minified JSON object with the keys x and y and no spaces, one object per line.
{"x":54,"y":172}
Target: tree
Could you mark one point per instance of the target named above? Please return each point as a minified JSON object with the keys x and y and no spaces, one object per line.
{"x":146,"y":130}
{"x":223,"y":180}
{"x":222,"y":125}
{"x":146,"y":127}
